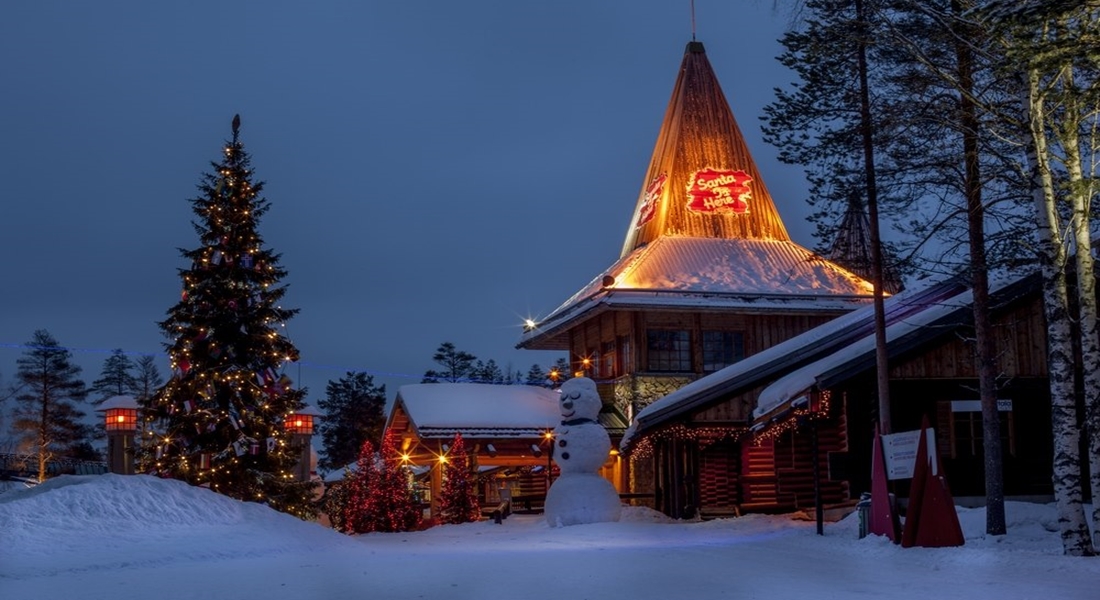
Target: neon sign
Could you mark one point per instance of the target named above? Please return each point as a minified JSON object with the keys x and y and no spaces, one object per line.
{"x":652,"y":196}
{"x":719,"y":191}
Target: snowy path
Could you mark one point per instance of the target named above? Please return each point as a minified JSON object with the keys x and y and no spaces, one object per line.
{"x":75,"y":542}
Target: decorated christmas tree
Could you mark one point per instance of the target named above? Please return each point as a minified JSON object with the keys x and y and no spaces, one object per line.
{"x":395,"y":509}
{"x":219,"y":420}
{"x":378,"y":494}
{"x":458,"y":497}
{"x":358,"y":492}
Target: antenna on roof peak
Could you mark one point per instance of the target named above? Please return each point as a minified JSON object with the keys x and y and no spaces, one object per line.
{"x":693,"y":20}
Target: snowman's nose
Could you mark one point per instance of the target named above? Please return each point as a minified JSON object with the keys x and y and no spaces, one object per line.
{"x":568,"y":404}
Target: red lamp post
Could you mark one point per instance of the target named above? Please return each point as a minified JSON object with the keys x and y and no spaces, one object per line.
{"x":120,"y":418}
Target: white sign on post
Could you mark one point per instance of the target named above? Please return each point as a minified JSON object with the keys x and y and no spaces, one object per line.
{"x":900,"y":452}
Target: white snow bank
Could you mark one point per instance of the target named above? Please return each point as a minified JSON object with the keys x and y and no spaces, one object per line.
{"x":108,"y":521}
{"x":106,"y":537}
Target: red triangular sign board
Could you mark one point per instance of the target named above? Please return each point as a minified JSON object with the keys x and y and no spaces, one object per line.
{"x":931,"y":520}
{"x":882,"y":517}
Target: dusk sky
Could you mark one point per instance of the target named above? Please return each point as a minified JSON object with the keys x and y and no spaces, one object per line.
{"x":438,"y":171}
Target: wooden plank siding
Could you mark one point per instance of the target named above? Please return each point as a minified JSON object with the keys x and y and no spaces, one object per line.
{"x":761,"y":331}
{"x":1020,"y":338}
{"x":794,"y":466}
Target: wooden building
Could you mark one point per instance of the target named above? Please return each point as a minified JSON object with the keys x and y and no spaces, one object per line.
{"x":507,"y":431}
{"x":813,"y":401}
{"x":707,"y":275}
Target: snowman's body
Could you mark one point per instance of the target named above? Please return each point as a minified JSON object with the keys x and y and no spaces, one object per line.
{"x":581,"y":446}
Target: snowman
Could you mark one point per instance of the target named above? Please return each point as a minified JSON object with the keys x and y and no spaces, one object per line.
{"x":580,"y":495}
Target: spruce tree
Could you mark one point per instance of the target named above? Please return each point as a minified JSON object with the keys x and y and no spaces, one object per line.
{"x":147,"y":378}
{"x":222,"y":409}
{"x":458,"y":498}
{"x":48,"y":423}
{"x":536,"y":376}
{"x":487,"y":372}
{"x":354,"y":412}
{"x":116,"y":378}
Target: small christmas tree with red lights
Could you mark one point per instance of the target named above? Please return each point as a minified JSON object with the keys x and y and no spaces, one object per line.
{"x":458,"y":498}
{"x":357,"y":491}
{"x":378,"y":494}
{"x":394,"y":506}
{"x":219,"y":420}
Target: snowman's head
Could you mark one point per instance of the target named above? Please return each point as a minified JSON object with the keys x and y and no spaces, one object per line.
{"x":579,"y":399}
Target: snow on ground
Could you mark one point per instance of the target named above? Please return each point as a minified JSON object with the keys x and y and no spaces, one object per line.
{"x":113,"y":537}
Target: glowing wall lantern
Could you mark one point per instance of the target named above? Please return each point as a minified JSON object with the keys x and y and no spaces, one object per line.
{"x":300,"y":425}
{"x":120,"y":418}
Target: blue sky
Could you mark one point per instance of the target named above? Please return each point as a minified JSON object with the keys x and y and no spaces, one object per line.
{"x":438,"y":171}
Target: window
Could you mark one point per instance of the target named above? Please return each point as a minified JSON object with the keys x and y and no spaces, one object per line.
{"x":966,"y":428}
{"x":607,"y":361}
{"x":668,"y":350}
{"x":722,"y":349}
{"x":624,"y":359}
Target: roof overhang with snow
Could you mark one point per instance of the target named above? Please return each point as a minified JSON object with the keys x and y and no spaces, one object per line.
{"x":476,"y":410}
{"x":769,"y":365}
{"x":700,"y":274}
{"x":829,"y":354}
{"x":902,"y":337}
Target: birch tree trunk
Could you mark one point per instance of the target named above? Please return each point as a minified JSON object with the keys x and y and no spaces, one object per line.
{"x":1052,"y":262}
{"x":1079,"y":196}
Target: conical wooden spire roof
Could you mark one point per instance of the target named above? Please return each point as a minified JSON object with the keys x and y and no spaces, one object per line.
{"x":702,"y":180}
{"x":705,"y":233}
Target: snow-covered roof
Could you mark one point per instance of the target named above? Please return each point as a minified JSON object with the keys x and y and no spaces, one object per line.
{"x":114,"y":402}
{"x":776,"y":396}
{"x":791,"y":368}
{"x":691,"y":272}
{"x":758,"y":368}
{"x":439,"y":410}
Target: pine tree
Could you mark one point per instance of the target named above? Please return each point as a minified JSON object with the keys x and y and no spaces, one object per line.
{"x":354,"y":409}
{"x":47,"y":420}
{"x":487,"y":372}
{"x":222,"y":409}
{"x":457,"y":365}
{"x":116,"y":378}
{"x":536,"y":376}
{"x":147,"y":378}
{"x":458,"y":498}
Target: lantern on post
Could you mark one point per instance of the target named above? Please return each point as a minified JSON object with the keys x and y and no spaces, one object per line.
{"x":300,"y":425}
{"x":120,"y":419}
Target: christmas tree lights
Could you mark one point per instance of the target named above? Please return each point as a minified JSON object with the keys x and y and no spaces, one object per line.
{"x":458,"y":497}
{"x":219,"y":420}
{"x":379,"y":497}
